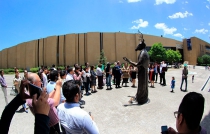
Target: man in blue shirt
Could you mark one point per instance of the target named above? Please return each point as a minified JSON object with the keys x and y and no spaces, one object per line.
{"x":74,"y":119}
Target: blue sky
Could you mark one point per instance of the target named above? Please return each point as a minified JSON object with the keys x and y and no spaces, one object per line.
{"x":25,"y":20}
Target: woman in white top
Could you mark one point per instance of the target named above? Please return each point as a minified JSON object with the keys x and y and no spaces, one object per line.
{"x":17,"y":82}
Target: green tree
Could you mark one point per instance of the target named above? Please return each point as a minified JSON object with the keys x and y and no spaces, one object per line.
{"x":102,"y":58}
{"x":157,"y":52}
{"x":177,"y":56}
{"x":173,"y":56}
{"x":200,"y":60}
{"x":206,"y":59}
{"x":170,"y":55}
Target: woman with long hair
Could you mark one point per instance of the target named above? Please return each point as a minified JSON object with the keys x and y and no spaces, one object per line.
{"x":152,"y":75}
{"x":17,"y":82}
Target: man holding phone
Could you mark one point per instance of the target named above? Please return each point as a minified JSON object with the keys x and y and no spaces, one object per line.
{"x":41,"y":110}
{"x":53,"y":101}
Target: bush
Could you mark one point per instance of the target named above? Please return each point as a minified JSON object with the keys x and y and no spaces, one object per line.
{"x":34,"y":70}
{"x":61,"y":67}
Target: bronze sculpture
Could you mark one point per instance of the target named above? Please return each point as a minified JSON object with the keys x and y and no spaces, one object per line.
{"x":142,"y":65}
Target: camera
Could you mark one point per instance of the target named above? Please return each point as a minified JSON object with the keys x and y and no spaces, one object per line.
{"x":33,"y":89}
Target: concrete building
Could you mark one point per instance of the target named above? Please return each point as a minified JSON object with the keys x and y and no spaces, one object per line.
{"x":193,"y":48}
{"x":85,"y":47}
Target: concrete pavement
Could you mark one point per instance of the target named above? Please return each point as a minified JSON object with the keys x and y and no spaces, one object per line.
{"x":112,"y":117}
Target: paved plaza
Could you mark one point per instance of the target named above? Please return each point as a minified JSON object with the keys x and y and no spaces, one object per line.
{"x":112,"y":117}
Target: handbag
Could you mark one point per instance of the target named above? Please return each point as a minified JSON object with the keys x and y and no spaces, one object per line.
{"x":13,"y":91}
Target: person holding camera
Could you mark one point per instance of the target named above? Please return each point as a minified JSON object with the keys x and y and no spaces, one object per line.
{"x":41,"y":110}
{"x":189,"y":115}
{"x":53,"y":101}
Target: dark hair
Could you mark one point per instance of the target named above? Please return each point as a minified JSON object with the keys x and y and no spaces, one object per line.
{"x":99,"y":65}
{"x":69,"y":69}
{"x":92,"y":67}
{"x":54,"y":75}
{"x":108,"y":68}
{"x":1,"y":71}
{"x":62,"y":73}
{"x":86,"y":64}
{"x":85,"y":69}
{"x":77,"y":68}
{"x":45,"y":68}
{"x":192,"y":107}
{"x":53,"y":65}
{"x":70,"y":89}
{"x":75,"y":65}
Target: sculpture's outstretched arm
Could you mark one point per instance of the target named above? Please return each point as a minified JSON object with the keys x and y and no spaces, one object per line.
{"x":129,"y":61}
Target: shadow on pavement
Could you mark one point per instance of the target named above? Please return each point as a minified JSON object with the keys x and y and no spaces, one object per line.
{"x":135,"y":103}
{"x":20,"y":110}
{"x":205,"y":123}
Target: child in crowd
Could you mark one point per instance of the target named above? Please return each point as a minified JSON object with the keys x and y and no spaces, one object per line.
{"x":193,"y":79}
{"x":172,"y":84}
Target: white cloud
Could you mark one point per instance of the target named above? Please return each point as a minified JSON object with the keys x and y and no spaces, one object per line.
{"x":130,"y":1}
{"x":185,"y":2}
{"x":140,"y":23}
{"x":178,"y":35}
{"x":209,"y":23}
{"x":180,"y":15}
{"x":120,"y":1}
{"x":203,"y":31}
{"x":207,"y":6}
{"x":158,"y":2}
{"x":185,"y":29}
{"x":165,"y":29}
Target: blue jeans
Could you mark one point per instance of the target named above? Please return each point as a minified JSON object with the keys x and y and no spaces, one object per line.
{"x":87,"y":86}
{"x":108,"y":80}
{"x":184,"y":79}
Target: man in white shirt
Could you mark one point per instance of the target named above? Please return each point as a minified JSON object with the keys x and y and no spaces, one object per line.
{"x":44,"y":77}
{"x":163,"y":69}
{"x":74,"y":119}
{"x":99,"y":73}
{"x":70,"y":74}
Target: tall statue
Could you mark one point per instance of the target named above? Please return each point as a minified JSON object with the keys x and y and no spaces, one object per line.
{"x":142,"y":65}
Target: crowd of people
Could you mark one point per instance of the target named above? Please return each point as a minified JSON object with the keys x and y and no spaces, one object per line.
{"x":62,"y":92}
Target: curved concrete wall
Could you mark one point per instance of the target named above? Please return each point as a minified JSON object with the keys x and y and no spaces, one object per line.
{"x":77,"y":48}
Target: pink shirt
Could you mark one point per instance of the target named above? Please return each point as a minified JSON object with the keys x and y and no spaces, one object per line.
{"x":52,"y":113}
{"x":77,"y":77}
